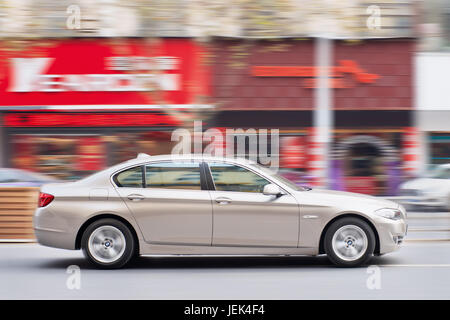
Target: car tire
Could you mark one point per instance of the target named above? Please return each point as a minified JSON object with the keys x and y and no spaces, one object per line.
{"x":349,"y":242}
{"x":108,"y":244}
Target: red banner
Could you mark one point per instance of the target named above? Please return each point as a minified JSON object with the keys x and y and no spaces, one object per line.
{"x":80,"y":119}
{"x":103,"y":72}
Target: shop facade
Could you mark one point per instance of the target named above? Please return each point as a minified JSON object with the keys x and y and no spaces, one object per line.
{"x":374,"y":133}
{"x":72,"y":107}
{"x":433,"y":108}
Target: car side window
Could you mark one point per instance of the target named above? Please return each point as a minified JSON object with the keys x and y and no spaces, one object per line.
{"x":173,"y":175}
{"x":229,"y":177}
{"x":130,"y":178}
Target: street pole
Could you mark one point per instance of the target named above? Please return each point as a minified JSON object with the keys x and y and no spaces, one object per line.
{"x":323,"y":113}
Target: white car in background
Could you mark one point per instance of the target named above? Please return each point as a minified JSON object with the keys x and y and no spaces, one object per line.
{"x":11,"y":177}
{"x":432,"y":190}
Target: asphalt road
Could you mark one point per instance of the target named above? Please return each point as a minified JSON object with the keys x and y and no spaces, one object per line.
{"x":419,"y":270}
{"x":428,"y":226}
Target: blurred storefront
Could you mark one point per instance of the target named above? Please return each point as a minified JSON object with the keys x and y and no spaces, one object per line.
{"x":373,"y":117}
{"x":433,"y":107}
{"x":70,"y":145}
{"x":71,"y":107}
{"x":372,"y":92}
{"x":369,"y":154}
{"x":247,"y":99}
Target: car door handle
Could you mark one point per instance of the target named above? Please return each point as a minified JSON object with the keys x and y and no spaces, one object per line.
{"x":135,"y":197}
{"x":223,"y":200}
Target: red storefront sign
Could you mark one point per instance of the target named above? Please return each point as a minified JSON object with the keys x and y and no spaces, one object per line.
{"x":292,"y":152}
{"x":368,"y":75}
{"x":336,"y":73}
{"x":80,"y":119}
{"x":366,"y":185}
{"x":102,"y":72}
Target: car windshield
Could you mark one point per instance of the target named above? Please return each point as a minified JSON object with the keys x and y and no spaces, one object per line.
{"x":287,"y":182}
{"x":439,"y":172}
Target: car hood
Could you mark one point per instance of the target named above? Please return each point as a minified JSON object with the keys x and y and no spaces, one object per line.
{"x":422,"y":184}
{"x":346,"y":200}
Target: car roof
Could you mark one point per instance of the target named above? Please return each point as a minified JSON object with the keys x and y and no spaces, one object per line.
{"x":143,"y":158}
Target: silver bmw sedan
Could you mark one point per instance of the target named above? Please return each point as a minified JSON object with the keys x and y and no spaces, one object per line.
{"x":199,"y":205}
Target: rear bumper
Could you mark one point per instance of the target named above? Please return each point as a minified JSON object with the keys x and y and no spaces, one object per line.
{"x":52,"y":231}
{"x":54,"y":238}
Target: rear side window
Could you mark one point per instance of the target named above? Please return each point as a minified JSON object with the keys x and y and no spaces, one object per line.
{"x":173,"y":175}
{"x":130,"y":178}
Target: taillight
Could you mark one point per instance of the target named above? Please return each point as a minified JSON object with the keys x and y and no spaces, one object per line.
{"x":45,"y":199}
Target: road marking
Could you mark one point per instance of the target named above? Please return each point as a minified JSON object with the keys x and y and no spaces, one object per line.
{"x":416,"y":265}
{"x":425,"y":240}
{"x":428,"y":217}
{"x":432,"y":229}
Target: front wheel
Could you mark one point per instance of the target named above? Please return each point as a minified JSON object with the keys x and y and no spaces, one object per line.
{"x":349,"y":242}
{"x":108,"y":243}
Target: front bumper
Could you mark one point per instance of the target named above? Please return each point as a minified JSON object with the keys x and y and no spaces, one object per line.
{"x":391,"y":233}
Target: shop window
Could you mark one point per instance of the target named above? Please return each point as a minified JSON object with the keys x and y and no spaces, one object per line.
{"x":124,"y":146}
{"x":67,"y":157}
{"x":440,"y":148}
{"x":364,"y":160}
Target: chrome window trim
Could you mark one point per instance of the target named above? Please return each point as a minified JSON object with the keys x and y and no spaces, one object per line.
{"x":199,"y":160}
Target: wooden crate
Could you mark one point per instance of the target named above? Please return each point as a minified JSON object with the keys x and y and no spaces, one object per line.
{"x":17,"y":205}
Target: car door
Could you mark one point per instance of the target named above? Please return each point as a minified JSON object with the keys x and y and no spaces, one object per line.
{"x":168,"y":202}
{"x":244,"y":216}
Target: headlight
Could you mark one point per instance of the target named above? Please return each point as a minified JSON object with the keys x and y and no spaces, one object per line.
{"x":393,"y":214}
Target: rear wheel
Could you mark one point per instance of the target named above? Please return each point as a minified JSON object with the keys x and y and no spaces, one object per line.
{"x":349,"y":242}
{"x":108,"y":243}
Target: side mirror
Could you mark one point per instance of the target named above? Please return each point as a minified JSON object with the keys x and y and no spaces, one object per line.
{"x":272,"y":190}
